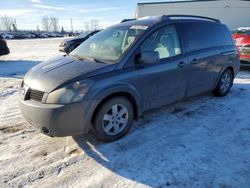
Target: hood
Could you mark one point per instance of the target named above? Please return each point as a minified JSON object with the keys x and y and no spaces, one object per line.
{"x":49,"y":75}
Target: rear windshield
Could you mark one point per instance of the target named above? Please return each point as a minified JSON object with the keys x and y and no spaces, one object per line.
{"x":200,"y":35}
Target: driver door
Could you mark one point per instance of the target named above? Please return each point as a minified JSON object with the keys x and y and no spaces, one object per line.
{"x":164,"y":81}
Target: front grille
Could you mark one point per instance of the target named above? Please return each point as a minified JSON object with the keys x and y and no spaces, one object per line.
{"x":35,"y":95}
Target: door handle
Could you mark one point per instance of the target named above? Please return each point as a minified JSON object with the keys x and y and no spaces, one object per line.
{"x":181,"y":64}
{"x":195,"y":61}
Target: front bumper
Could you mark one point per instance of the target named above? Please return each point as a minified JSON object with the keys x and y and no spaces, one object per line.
{"x":245,"y":59}
{"x":53,"y":119}
{"x":245,"y":55}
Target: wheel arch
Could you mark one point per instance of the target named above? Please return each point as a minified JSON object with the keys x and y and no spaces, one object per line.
{"x":119,"y":91}
{"x":221,"y":72}
{"x":231,"y":69}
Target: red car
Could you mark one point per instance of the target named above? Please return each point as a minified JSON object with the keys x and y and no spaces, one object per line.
{"x":4,"y":50}
{"x":242,"y":41}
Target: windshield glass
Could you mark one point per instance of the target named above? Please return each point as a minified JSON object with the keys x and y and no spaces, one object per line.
{"x":108,"y":45}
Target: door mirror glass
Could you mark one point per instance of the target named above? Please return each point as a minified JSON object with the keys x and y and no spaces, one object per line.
{"x":148,"y":57}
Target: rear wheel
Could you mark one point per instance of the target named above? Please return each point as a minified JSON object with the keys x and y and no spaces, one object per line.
{"x":224,"y":84}
{"x":114,"y":119}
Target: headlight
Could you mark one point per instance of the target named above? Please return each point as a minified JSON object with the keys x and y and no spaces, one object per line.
{"x":70,"y":94}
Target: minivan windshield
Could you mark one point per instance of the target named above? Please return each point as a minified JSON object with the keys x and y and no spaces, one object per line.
{"x":109,"y":44}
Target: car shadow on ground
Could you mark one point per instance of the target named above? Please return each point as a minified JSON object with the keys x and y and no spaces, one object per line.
{"x":153,"y":150}
{"x":163,"y":150}
{"x":15,"y":68}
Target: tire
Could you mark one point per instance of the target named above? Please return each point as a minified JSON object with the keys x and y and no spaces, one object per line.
{"x":224,"y":85}
{"x":109,"y":124}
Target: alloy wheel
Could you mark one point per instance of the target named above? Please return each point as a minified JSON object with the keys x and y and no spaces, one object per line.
{"x":225,"y":82}
{"x":115,"y":119}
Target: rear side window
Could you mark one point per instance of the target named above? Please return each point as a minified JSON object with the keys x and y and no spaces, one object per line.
{"x":200,"y":35}
{"x":223,"y":36}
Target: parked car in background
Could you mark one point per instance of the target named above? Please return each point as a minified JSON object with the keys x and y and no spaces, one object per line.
{"x":7,"y":35}
{"x":68,"y":45}
{"x":4,"y":50}
{"x":29,"y":34}
{"x":242,"y":41}
{"x":125,"y":70}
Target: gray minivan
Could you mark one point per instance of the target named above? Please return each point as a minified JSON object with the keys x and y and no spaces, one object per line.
{"x":125,"y":70}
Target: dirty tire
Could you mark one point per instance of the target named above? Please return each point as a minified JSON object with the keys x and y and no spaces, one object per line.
{"x":113,"y":119}
{"x":224,"y":85}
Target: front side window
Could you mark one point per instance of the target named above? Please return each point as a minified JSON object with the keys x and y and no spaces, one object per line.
{"x":165,"y":41}
{"x":110,"y":44}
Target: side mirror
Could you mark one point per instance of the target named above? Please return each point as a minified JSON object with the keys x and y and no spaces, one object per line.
{"x":149,"y":57}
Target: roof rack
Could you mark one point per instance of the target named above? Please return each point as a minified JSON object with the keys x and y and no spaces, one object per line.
{"x":180,"y":16}
{"x":127,"y":20}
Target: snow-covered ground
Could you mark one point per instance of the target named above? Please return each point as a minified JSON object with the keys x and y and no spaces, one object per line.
{"x":201,"y":142}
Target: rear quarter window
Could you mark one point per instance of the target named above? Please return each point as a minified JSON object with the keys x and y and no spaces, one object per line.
{"x":222,"y":35}
{"x":202,"y":35}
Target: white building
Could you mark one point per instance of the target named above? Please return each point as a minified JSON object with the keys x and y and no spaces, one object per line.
{"x":234,"y":13}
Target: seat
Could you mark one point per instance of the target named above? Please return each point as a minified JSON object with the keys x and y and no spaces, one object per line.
{"x":130,"y":40}
{"x":166,"y":47}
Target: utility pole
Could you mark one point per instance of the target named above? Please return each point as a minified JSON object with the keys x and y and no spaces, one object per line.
{"x":71,"y":22}
{"x":37,"y":29}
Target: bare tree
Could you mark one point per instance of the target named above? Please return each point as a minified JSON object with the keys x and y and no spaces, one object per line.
{"x":94,"y":24}
{"x":37,"y":29}
{"x":7,"y":22}
{"x":45,"y":23}
{"x":54,"y":24}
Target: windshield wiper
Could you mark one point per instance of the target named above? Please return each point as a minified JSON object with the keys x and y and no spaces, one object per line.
{"x":99,"y":61}
{"x":81,"y":58}
{"x":95,"y":60}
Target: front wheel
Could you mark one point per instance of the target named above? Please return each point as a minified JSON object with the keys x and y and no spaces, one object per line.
{"x":114,"y":119}
{"x":224,"y":84}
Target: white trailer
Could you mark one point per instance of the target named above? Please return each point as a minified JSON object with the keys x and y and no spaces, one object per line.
{"x":234,"y":13}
